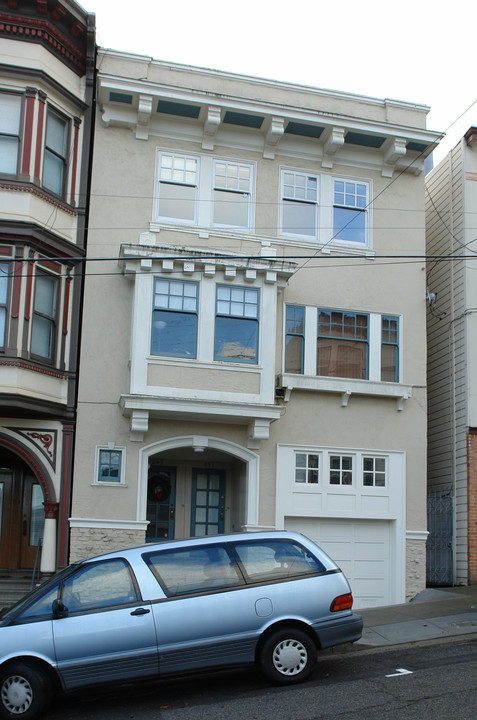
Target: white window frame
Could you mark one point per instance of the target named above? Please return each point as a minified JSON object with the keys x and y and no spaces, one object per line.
{"x":110,"y":447}
{"x":204,"y":194}
{"x":228,"y":187}
{"x":286,"y":197}
{"x":374,"y":471}
{"x":358,"y":208}
{"x":160,"y":181}
{"x":319,"y":469}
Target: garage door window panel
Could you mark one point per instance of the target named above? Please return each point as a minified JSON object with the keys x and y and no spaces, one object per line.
{"x":341,"y":470}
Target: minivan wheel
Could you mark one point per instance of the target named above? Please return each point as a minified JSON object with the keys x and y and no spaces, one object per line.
{"x":288,"y":656}
{"x":23,"y":692}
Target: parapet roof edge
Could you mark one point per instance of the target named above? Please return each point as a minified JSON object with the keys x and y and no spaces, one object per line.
{"x":382,"y":102}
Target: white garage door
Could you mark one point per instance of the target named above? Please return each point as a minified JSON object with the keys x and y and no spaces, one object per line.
{"x":361,"y":548}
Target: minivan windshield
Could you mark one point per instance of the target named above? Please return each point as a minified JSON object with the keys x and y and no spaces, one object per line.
{"x":34,"y":595}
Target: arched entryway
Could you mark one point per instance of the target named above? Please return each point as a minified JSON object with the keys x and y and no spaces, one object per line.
{"x":197,"y":485}
{"x":25,"y":503}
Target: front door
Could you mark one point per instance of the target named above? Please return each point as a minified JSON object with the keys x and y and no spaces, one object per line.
{"x":161,"y":495}
{"x":208,"y":502}
{"x":21,"y":514}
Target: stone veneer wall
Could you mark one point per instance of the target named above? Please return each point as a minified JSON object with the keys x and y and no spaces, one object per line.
{"x":93,"y":541}
{"x":415,"y":568}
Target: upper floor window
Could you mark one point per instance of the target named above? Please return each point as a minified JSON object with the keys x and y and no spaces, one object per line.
{"x":232,"y":194}
{"x":55,"y":158}
{"x":390,"y":349}
{"x":174,"y":321}
{"x":342,"y":345}
{"x":299,"y":206}
{"x":236,"y":324}
{"x":3,"y":301}
{"x":350,"y":201}
{"x":44,"y":317}
{"x":295,"y":338}
{"x":10,"y":117}
{"x":178,"y":184}
{"x":204,"y":191}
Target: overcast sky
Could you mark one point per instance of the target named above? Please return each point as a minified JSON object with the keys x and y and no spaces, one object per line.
{"x":414,"y":50}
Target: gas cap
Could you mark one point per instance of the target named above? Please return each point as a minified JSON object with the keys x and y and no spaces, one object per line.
{"x":263,"y":607}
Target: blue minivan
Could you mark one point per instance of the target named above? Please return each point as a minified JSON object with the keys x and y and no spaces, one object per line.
{"x":269,"y":598}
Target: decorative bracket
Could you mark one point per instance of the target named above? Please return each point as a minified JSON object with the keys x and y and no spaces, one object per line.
{"x":211,"y":127}
{"x":395,"y":151}
{"x":139,"y":425}
{"x":345,"y":398}
{"x":272,"y":138}
{"x":259,"y":430}
{"x":144,"y":112}
{"x":334,"y":142}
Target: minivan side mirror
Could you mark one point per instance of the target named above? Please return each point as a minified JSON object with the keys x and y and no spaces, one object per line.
{"x":59,"y":609}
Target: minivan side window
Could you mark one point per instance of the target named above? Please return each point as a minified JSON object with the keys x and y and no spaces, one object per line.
{"x":192,"y":570}
{"x":276,"y":560}
{"x":99,"y":585}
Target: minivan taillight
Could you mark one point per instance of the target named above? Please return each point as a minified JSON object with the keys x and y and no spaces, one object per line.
{"x":342,"y":602}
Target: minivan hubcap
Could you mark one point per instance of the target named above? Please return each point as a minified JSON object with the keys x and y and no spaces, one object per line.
{"x":17,"y":694}
{"x":290,"y":657}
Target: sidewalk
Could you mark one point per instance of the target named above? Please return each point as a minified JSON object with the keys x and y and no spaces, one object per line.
{"x":432,"y":614}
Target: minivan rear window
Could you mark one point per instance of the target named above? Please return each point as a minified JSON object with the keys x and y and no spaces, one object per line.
{"x":191,"y":570}
{"x":275,"y":560}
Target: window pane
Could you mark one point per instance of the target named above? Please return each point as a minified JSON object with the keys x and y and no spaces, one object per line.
{"x":109,"y":466}
{"x":41,"y":337}
{"x":276,"y":559}
{"x":341,"y":358}
{"x":177,"y":202}
{"x":299,"y":218}
{"x":101,"y":584}
{"x":174,"y":334}
{"x":10,"y":110}
{"x":53,"y":173}
{"x":294,"y":354}
{"x":236,"y":340}
{"x":231,"y":209}
{"x":56,"y":134}
{"x":349,"y":225}
{"x":45,"y":295}
{"x":9,"y":155}
{"x":389,"y":356}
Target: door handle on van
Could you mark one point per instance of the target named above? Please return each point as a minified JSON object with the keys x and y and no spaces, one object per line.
{"x":140,"y":611}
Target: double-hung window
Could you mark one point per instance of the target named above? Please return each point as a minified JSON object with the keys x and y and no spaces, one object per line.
{"x":174,"y":318}
{"x":294,"y":338}
{"x":10,"y":116}
{"x":178,"y":188}
{"x":350,"y":202}
{"x":390,"y":349}
{"x":299,"y":206}
{"x":236,"y":324}
{"x":44,"y":317}
{"x":342,"y":345}
{"x":232,"y":195}
{"x":55,"y":158}
{"x":3,"y":301}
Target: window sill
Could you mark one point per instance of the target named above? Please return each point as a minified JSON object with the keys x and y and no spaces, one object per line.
{"x":345,"y":387}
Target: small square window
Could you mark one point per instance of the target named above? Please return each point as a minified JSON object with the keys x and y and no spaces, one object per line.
{"x":307,"y":468}
{"x":374,"y":472}
{"x":110,"y":466}
{"x":341,"y":470}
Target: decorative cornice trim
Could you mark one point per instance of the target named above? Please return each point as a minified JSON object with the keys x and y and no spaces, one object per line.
{"x":29,"y":366}
{"x":39,"y":193}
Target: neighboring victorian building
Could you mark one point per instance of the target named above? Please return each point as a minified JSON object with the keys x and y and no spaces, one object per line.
{"x":451,"y":209}
{"x":254,"y":335}
{"x":47,"y":53}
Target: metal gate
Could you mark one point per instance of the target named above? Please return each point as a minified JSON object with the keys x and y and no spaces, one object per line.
{"x":440,"y":541}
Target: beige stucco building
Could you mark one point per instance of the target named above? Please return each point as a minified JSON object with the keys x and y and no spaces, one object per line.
{"x":253,"y":348}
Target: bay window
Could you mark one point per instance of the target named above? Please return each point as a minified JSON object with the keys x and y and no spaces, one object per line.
{"x":44,"y":317}
{"x":342,"y":345}
{"x":55,"y":158}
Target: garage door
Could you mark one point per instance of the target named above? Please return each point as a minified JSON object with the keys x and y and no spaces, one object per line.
{"x":362,"y":549}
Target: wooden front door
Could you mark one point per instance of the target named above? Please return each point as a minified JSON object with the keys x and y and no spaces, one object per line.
{"x":21,"y":514}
